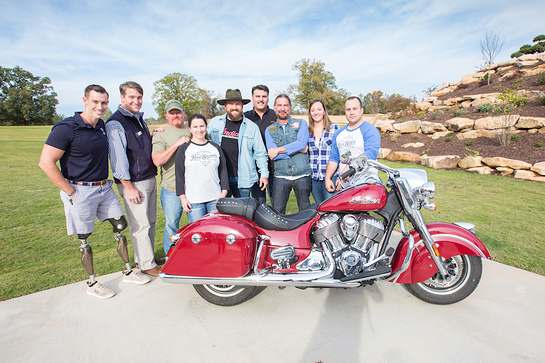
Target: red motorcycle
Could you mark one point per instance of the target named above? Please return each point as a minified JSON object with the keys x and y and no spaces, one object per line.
{"x":347,"y":241}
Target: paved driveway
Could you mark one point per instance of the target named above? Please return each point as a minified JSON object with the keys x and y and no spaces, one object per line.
{"x":504,"y":320}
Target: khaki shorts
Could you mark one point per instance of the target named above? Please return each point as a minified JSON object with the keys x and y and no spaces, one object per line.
{"x":89,"y":203}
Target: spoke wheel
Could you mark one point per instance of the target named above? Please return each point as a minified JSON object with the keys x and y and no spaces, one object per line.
{"x":464,"y":274}
{"x":227,"y":295}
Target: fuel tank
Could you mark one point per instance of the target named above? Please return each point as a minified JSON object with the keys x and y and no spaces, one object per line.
{"x":369,"y":197}
{"x":216,"y":245}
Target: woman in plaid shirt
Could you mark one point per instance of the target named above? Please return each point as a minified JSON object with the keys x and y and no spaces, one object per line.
{"x":321,"y":132}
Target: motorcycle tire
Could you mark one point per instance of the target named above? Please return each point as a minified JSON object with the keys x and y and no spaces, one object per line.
{"x":464,"y":274}
{"x":227,"y":295}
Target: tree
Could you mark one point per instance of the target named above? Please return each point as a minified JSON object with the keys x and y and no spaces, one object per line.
{"x":490,"y":48}
{"x":539,"y":47}
{"x":181,"y":87}
{"x":210,"y":107}
{"x":373,"y":102}
{"x":316,"y":82}
{"x":26,"y":99}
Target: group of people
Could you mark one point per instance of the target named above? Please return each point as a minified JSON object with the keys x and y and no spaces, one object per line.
{"x":237,"y":154}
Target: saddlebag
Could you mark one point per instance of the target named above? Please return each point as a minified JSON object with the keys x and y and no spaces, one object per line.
{"x":214,"y":246}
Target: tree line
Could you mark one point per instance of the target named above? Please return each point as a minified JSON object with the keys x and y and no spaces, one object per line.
{"x":26,"y":99}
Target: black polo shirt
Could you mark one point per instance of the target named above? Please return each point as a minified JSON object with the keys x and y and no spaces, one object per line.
{"x":85,"y":148}
{"x":269,"y":117}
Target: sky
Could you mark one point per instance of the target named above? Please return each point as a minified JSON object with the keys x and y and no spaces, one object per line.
{"x":394,"y":46}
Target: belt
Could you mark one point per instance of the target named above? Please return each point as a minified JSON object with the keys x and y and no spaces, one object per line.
{"x":89,"y":184}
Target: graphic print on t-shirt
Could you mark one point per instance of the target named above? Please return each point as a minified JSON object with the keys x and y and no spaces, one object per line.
{"x":204,"y":157}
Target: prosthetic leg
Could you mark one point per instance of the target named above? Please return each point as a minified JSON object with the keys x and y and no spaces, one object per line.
{"x":87,"y":256}
{"x":119,"y":224}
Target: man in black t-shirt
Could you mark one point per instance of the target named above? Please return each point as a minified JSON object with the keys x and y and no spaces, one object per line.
{"x":263,"y":117}
{"x":80,"y":144}
{"x":242,"y":145}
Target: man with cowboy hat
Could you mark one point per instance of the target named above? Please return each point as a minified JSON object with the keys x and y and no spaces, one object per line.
{"x":241,"y":142}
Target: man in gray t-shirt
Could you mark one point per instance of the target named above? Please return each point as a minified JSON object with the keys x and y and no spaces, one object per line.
{"x":164,"y":147}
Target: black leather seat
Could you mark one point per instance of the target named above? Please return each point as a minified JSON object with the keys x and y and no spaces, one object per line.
{"x":244,"y":207}
{"x":267,"y":218}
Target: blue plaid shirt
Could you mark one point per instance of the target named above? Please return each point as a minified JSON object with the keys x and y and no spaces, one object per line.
{"x":319,"y":150}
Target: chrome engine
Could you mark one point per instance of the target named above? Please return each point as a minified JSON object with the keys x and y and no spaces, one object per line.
{"x":353,"y":238}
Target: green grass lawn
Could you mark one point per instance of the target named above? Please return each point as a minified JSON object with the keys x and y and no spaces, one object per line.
{"x":36,"y":254}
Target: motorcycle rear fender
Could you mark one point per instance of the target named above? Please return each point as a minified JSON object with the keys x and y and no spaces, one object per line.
{"x":451,"y":240}
{"x":214,"y":256}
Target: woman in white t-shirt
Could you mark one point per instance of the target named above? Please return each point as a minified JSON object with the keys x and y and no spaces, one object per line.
{"x":201,"y":174}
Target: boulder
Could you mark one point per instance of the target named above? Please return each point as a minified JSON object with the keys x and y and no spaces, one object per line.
{"x":524,"y":174}
{"x":383,"y":153}
{"x":534,"y":96}
{"x":380,"y":117}
{"x":459,"y":124}
{"x":385,"y":126}
{"x":504,"y":170}
{"x":473,"y":134}
{"x":484,"y":170}
{"x":412,"y":144}
{"x":407,"y":127}
{"x":513,"y":164}
{"x":470,"y":162}
{"x":496,"y":122}
{"x":403,"y":156}
{"x":439,"y":134}
{"x":530,"y":122}
{"x":422,"y":106}
{"x":440,"y":162}
{"x":538,"y":168}
{"x":431,"y":127}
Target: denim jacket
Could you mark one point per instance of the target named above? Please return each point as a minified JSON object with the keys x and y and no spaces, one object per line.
{"x":293,"y":137}
{"x":251,"y":150}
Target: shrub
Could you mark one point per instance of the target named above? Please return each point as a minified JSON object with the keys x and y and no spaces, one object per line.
{"x":450,"y":133}
{"x":485,"y":107}
{"x":459,"y":112}
{"x":515,"y":137}
{"x":539,"y":143}
{"x":542,"y":99}
{"x":447,"y":139}
{"x":470,"y":142}
{"x":436,"y":114}
{"x":541,"y":79}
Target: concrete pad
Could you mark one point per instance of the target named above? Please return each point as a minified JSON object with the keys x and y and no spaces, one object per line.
{"x":503,"y":320}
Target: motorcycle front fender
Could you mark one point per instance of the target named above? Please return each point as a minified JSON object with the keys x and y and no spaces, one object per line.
{"x":450,"y":240}
{"x":217,"y":245}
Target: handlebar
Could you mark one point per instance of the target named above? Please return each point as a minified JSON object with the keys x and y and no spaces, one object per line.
{"x":351,"y":171}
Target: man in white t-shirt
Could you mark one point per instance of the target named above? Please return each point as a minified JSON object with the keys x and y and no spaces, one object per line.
{"x":358,"y":136}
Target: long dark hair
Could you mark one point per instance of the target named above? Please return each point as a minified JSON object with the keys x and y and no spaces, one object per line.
{"x":327,"y":121}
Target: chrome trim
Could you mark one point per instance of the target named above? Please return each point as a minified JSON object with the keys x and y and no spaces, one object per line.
{"x":406,"y":261}
{"x":196,"y":238}
{"x":474,"y":246}
{"x":318,"y":279}
{"x":231,"y":239}
{"x":257,"y":258}
{"x":467,"y":226}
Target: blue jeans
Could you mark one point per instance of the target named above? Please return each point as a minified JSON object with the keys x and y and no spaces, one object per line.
{"x":281,"y":192}
{"x":319,"y":192}
{"x":199,"y":210}
{"x":172,"y":206}
{"x":260,"y":195}
{"x":235,"y":191}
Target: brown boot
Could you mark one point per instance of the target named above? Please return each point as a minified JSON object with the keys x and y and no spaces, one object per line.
{"x":152,"y":271}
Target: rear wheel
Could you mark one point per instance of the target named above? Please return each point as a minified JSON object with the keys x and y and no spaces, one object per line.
{"x":464,"y":274}
{"x":227,"y":295}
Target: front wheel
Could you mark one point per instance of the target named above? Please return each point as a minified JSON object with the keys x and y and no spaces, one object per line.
{"x":464,"y":274}
{"x":227,"y":295}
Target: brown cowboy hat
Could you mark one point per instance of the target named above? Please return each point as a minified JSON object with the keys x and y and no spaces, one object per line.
{"x":233,"y":95}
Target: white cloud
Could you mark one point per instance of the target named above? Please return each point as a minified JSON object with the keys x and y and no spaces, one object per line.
{"x":395,"y":46}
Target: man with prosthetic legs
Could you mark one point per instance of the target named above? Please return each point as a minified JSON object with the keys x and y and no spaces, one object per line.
{"x":80,"y":144}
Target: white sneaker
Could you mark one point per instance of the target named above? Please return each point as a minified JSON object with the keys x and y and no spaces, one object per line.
{"x":99,"y":290}
{"x":135,"y":277}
